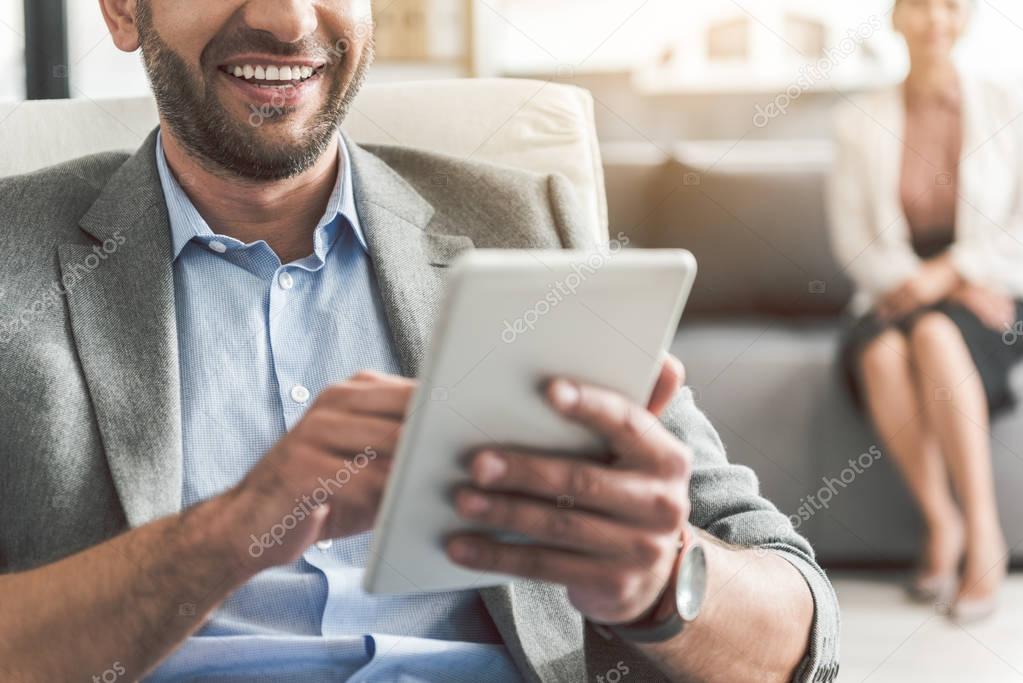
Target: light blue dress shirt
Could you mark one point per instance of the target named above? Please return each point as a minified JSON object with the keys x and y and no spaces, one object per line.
{"x":258,"y":340}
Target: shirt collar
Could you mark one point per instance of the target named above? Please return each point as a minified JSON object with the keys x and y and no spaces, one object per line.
{"x":186,"y":223}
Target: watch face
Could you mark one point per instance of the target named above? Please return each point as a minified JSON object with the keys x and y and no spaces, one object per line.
{"x":691,"y":587}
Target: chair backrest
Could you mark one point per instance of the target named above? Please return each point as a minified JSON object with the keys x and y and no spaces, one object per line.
{"x":521,"y":123}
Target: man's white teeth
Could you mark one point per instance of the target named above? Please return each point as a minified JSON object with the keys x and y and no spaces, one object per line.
{"x":272,"y":73}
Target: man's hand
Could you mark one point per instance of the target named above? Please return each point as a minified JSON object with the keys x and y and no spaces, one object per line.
{"x":995,"y":309}
{"x":934,"y":282}
{"x":325,"y":478}
{"x":609,"y":532}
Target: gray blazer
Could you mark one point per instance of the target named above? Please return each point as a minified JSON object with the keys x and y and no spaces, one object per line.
{"x":90,"y":437}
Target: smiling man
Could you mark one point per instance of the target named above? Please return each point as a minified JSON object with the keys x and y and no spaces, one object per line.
{"x":246,"y":301}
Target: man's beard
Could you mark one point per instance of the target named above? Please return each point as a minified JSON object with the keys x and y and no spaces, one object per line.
{"x":218,"y":141}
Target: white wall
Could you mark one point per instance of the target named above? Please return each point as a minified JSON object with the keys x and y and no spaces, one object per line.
{"x":12,"y":49}
{"x":595,"y":35}
{"x":523,"y":36}
{"x":97,"y":68}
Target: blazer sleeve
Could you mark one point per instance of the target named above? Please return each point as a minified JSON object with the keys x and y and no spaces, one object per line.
{"x":876,"y":261}
{"x":993,"y":254}
{"x":726,"y":502}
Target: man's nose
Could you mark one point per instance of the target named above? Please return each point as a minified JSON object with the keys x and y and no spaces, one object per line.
{"x":288,"y":20}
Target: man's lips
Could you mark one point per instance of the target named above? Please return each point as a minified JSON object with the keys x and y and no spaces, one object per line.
{"x":260,"y":91}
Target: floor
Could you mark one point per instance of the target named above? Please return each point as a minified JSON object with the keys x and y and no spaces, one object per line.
{"x":885,"y":638}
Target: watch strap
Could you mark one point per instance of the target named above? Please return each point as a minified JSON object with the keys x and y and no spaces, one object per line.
{"x":662,"y":621}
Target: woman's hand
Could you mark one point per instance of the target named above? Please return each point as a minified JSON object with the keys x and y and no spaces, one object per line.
{"x":935,"y":281}
{"x":995,"y":309}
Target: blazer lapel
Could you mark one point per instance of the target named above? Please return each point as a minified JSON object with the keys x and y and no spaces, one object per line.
{"x":409,"y":260}
{"x":120,"y":297}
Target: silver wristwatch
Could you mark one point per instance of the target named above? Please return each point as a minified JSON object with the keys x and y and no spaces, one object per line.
{"x":678,"y":606}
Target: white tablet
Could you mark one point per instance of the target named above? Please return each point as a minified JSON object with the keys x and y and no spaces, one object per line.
{"x":512,"y":320}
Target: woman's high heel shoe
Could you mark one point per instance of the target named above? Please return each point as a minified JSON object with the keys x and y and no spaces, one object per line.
{"x":969,"y":611}
{"x":938,"y":588}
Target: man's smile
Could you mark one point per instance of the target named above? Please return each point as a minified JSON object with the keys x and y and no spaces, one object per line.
{"x":273,"y":80}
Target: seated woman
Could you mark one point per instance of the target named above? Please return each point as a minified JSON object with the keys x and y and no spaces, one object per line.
{"x":927,"y":220}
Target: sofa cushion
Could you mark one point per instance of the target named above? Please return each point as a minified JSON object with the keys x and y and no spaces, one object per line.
{"x":752,"y":213}
{"x":772,"y":390}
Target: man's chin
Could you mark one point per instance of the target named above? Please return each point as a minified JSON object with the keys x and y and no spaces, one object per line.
{"x":277,"y":151}
{"x":278,"y":147}
{"x":271,"y":128}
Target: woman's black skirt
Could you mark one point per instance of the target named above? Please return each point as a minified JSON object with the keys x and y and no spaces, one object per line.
{"x":994,"y":353}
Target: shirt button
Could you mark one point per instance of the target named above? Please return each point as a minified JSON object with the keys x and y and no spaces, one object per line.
{"x":218,"y":247}
{"x":324,"y":545}
{"x":299,"y":394}
{"x":286,"y":281}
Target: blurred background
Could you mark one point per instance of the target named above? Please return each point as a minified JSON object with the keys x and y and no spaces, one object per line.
{"x":714,"y":120}
{"x":652,"y":49}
